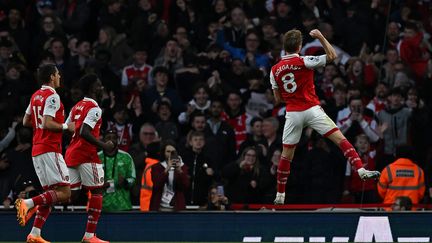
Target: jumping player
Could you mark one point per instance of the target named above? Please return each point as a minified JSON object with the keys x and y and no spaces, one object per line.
{"x":292,"y":81}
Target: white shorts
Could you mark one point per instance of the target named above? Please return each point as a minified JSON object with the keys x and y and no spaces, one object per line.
{"x":51,"y":170}
{"x":89,"y":175}
{"x":314,"y":117}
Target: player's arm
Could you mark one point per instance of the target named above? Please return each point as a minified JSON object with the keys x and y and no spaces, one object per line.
{"x":328,"y":48}
{"x":27,"y":117}
{"x":52,"y":105}
{"x":92,"y":117}
{"x":275,"y":88}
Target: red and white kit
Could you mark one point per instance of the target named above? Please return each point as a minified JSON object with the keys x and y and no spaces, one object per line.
{"x":46,"y":152}
{"x":85,"y":167}
{"x":293,"y":76}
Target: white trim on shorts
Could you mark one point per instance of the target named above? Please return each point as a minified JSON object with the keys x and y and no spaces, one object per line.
{"x":89,"y":175}
{"x":51,"y":169}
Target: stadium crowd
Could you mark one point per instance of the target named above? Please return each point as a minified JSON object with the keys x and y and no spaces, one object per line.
{"x":190,"y":77}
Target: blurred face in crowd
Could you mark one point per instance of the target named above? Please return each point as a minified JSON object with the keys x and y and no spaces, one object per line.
{"x":84,"y":49}
{"x":13,"y":74}
{"x":161,"y":79}
{"x":268,"y":129}
{"x":162,"y":29}
{"x":14,"y":16}
{"x":216,"y":109}
{"x":237,"y":17}
{"x":269,"y":31}
{"x":48,"y":24}
{"x":395,"y":100}
{"x":220,"y":6}
{"x":340,"y":97}
{"x":381,"y":91}
{"x":120,"y":116}
{"x":338,"y":81}
{"x":172,"y":48}
{"x":392,"y":56}
{"x":309,"y":3}
{"x":412,"y":95}
{"x":250,"y":157}
{"x":283,"y":9}
{"x":256,"y":128}
{"x":357,"y":68}
{"x":72,"y":45}
{"x":356,"y":105}
{"x":147,"y":135}
{"x":112,"y":136}
{"x":199,"y":123}
{"x":276,"y":157}
{"x":140,"y":57}
{"x":393,"y":31}
{"x":5,"y":52}
{"x":57,"y":49}
{"x":353,"y":92}
{"x":168,"y":150}
{"x":164,"y":112}
{"x":362,"y":144}
{"x":103,"y":37}
{"x":409,"y":33}
{"x":330,"y":71}
{"x":201,"y":97}
{"x":237,"y":66}
{"x":252,"y":42}
{"x":197,"y":143}
{"x":234,"y":101}
{"x":141,"y":85}
{"x":144,"y":5}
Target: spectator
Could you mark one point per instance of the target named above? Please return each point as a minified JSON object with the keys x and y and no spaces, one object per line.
{"x":217,"y":201}
{"x":152,"y":158}
{"x":171,"y":57}
{"x":254,"y":138}
{"x":170,"y":181}
{"x":166,"y":128}
{"x":138,"y":69}
{"x":357,"y":120}
{"x":246,"y":178}
{"x":236,"y":116}
{"x":272,"y":140}
{"x":120,"y":124}
{"x":402,"y":178}
{"x":362,"y":191}
{"x":220,"y":137}
{"x":379,"y":101}
{"x":147,"y":135}
{"x":119,"y":175}
{"x":201,"y":170}
{"x":394,"y":121}
{"x":199,"y":103}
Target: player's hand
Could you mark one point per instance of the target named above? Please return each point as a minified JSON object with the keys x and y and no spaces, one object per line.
{"x":316,"y":34}
{"x":71,"y":127}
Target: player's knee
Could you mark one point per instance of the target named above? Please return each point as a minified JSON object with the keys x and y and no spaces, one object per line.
{"x":63,"y":194}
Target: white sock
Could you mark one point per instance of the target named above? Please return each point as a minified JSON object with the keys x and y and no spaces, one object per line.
{"x":35,"y":231}
{"x":29,"y":203}
{"x":88,"y":235}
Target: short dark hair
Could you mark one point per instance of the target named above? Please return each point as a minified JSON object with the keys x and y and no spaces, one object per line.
{"x":45,"y":72}
{"x":86,"y":83}
{"x":160,"y":69}
{"x":196,"y":134}
{"x":255,"y":119}
{"x":292,"y":40}
{"x":405,"y":151}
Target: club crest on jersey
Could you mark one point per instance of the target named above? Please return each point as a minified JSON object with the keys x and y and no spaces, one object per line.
{"x":313,"y":59}
{"x":52,"y":101}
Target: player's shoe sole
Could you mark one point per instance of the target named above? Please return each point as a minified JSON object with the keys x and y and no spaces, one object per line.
{"x":36,"y":239}
{"x":22,"y":211}
{"x":368,"y":174}
{"x":280,"y":199}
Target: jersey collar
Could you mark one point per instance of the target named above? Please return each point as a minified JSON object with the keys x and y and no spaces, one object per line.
{"x":48,"y":87}
{"x":91,"y":100}
{"x":290,"y":56}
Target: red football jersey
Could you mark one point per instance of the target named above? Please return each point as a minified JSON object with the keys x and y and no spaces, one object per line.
{"x":80,"y":151}
{"x":294,"y":77}
{"x":43,"y":102}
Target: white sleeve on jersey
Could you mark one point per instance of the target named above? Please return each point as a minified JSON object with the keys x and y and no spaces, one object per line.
{"x":93,"y":116}
{"x":68,"y":119}
{"x":313,"y":62}
{"x":52,"y":105}
{"x":28,"y":110}
{"x":273,"y":81}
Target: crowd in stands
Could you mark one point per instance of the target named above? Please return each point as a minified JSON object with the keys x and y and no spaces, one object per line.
{"x":190,"y":78}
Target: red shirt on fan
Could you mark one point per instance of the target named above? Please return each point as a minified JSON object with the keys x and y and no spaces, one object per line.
{"x":293,"y":75}
{"x":45,"y":102}
{"x":80,"y":151}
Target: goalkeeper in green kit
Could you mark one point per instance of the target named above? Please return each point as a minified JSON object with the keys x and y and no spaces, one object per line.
{"x":119,"y":176}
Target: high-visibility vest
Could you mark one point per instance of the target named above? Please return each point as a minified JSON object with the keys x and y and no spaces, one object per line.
{"x":402,"y":178}
{"x":146,"y":185}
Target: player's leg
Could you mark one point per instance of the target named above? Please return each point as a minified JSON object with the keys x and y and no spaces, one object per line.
{"x":291,"y":136}
{"x":92,"y":176}
{"x":322,"y":123}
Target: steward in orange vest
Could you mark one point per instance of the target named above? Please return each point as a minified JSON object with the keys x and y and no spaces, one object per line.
{"x":402,"y":178}
{"x":146,"y":180}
